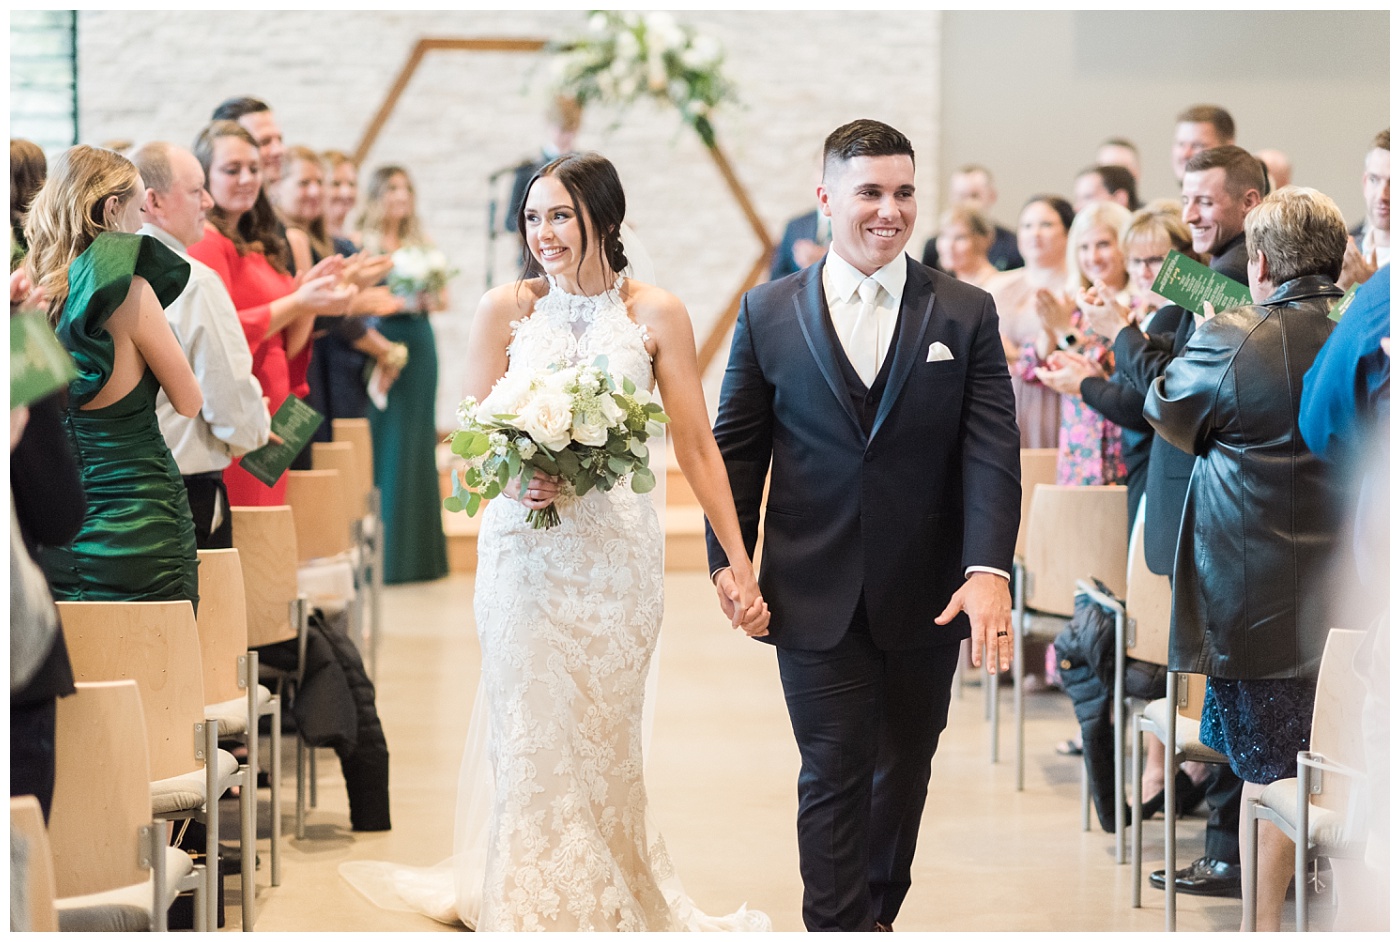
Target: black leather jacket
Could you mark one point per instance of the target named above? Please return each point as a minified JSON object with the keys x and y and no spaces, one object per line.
{"x":1263,"y":514}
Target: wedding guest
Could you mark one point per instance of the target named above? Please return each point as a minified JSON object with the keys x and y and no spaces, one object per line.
{"x":243,"y":245}
{"x":1278,"y":167}
{"x":342,"y":346}
{"x":1218,"y":189}
{"x":973,"y":184}
{"x":1119,"y":152}
{"x":805,"y":239}
{"x":1199,"y":128}
{"x":1021,"y":295}
{"x":257,"y":119}
{"x":1256,"y":628}
{"x":104,"y":287}
{"x":404,"y":430}
{"x":1368,"y":246}
{"x":234,"y":418}
{"x":1090,"y":446}
{"x":1105,"y":183}
{"x":342,"y":193}
{"x":964,"y":236}
{"x":27,"y":170}
{"x":562,"y":118}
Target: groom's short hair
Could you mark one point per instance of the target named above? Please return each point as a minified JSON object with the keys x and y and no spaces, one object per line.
{"x":864,"y":138}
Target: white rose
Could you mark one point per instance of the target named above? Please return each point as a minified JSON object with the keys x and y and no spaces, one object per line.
{"x":590,"y":431}
{"x":505,"y":398}
{"x":612,"y":413}
{"x":411,"y":264}
{"x":627,"y":48}
{"x":548,"y":418}
{"x":706,"y":50}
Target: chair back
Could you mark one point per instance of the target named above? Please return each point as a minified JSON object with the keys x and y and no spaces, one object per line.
{"x":1337,"y":726}
{"x":1149,"y":601}
{"x":340,"y":456}
{"x":155,"y":644}
{"x":1191,"y":695}
{"x":102,"y":789}
{"x":1037,"y":467}
{"x":1075,"y":533}
{"x":36,"y":880}
{"x":222,"y":622}
{"x":357,"y":433}
{"x":322,"y":513}
{"x":266,"y":540}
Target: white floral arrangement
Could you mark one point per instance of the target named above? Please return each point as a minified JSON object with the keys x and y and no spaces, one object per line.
{"x":419,"y":270}
{"x":577,"y":423}
{"x":625,"y":56}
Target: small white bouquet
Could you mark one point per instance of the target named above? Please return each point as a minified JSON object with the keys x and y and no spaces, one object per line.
{"x":578,"y":423}
{"x":419,"y":270}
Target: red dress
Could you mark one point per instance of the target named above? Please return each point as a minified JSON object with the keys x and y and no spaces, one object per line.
{"x":254,"y":284}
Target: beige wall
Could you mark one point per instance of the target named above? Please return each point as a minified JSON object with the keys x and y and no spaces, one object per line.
{"x":1032,"y":94}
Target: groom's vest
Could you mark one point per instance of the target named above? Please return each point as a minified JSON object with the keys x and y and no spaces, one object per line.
{"x":865,"y":400}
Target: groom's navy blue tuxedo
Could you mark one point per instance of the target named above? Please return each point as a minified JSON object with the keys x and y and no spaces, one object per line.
{"x":878,"y":501}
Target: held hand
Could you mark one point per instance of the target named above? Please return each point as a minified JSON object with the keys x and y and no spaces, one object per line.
{"x":741,"y":602}
{"x":986,"y":597}
{"x":1207,"y":315}
{"x":1102,"y":311}
{"x":272,"y":437}
{"x":539,"y":493}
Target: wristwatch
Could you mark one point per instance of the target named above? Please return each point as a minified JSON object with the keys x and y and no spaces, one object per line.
{"x":1068,"y":341}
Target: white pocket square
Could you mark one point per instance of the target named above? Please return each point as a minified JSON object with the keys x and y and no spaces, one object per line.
{"x":938,"y":350}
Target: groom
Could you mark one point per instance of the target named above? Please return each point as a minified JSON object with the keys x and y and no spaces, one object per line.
{"x":878,"y":390}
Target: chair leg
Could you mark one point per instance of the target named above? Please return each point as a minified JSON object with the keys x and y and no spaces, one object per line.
{"x":301,"y":789}
{"x":1084,"y":799}
{"x":1300,"y":851}
{"x":248,"y":798}
{"x":160,"y":902}
{"x":1018,"y":698}
{"x":275,"y":777}
{"x":206,"y":918}
{"x":311,"y":776}
{"x":1137,"y":812}
{"x":1249,"y":858}
{"x":1169,"y":803}
{"x":1119,"y":721}
{"x":212,"y":794}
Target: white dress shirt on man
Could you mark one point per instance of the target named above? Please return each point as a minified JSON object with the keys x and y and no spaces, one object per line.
{"x":234,"y":419}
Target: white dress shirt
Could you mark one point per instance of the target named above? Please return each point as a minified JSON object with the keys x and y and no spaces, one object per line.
{"x":234,"y":419}
{"x":841,"y":281}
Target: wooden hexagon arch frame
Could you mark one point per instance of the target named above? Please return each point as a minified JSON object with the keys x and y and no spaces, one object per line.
{"x":709,"y":349}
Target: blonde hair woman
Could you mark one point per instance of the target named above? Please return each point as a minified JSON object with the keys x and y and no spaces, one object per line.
{"x":404,"y":431}
{"x":105,"y":287}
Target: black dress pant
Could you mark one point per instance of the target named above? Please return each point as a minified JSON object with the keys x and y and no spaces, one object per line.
{"x":867,"y":723}
{"x":213,"y":521}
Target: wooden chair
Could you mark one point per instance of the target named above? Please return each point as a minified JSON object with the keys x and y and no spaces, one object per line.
{"x":1144,"y":613}
{"x":321,"y":510}
{"x":266,"y":540}
{"x":236,"y":699}
{"x":1073,"y":532}
{"x":32,"y":891}
{"x":1311,"y":809}
{"x":357,"y":433}
{"x":340,"y":456}
{"x":113,"y":870}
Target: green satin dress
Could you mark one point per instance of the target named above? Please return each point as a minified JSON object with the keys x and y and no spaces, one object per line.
{"x":137,"y":539}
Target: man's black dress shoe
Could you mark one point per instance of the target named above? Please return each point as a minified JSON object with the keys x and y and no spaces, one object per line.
{"x":1205,"y":877}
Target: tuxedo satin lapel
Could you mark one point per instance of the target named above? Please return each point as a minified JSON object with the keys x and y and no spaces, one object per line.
{"x":914,"y":314}
{"x":810,"y":301}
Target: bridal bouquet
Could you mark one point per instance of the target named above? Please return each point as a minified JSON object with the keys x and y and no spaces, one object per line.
{"x":418,"y":270}
{"x":578,"y":423}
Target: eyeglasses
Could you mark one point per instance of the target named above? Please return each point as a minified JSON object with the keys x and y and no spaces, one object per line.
{"x":1151,"y":262}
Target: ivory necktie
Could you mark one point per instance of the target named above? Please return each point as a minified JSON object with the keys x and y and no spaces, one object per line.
{"x":865,"y":333}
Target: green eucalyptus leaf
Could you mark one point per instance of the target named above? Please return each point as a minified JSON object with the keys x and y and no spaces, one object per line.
{"x":638,"y":449}
{"x":643,"y":481}
{"x":473,"y":505}
{"x":452,"y":504}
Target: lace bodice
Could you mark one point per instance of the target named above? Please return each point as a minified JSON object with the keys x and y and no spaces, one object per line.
{"x":568,"y":329}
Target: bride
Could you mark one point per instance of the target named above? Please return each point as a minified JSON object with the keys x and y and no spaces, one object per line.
{"x":555,"y":835}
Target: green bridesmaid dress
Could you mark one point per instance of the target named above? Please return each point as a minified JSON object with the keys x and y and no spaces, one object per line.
{"x":137,"y":539}
{"x":405,"y":442}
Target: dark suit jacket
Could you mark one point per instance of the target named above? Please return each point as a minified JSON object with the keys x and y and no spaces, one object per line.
{"x":1002,"y":253}
{"x":799,"y":227}
{"x":896,"y":517}
{"x":1141,"y":360}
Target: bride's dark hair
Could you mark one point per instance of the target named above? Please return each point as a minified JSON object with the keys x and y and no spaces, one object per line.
{"x":596,"y":192}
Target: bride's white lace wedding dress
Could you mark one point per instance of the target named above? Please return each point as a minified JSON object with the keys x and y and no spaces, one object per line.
{"x":555,"y":834}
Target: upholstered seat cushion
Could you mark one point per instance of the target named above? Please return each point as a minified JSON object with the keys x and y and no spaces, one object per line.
{"x":186,"y":792}
{"x":328,"y":583}
{"x":1326,"y":828}
{"x":1188,"y":733}
{"x":125,"y":909}
{"x":233,"y":714}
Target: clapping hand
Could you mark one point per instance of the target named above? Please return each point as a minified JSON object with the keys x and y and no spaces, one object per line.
{"x":365,"y":270}
{"x":1065,"y":372}
{"x":325,"y":295}
{"x":1054,"y":310}
{"x":330,"y":265}
{"x":1103,"y":312}
{"x":376,"y":301}
{"x":1356,"y":268}
{"x":741,"y":602}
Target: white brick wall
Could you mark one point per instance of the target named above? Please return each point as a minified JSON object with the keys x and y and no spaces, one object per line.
{"x":154,"y":75}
